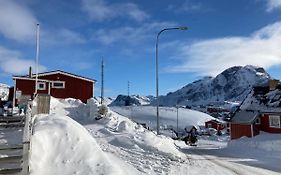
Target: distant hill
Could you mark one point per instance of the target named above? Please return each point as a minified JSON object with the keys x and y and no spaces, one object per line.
{"x":233,"y":84}
{"x":106,"y":100}
{"x":4,"y":91}
{"x":137,"y":100}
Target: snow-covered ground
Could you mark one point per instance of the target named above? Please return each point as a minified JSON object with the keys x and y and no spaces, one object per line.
{"x":117,"y":145}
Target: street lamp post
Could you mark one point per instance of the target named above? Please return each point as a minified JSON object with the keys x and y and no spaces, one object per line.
{"x":157,"y":84}
{"x":177,"y":118}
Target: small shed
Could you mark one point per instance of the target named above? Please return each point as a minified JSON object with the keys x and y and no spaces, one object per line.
{"x":192,"y":128}
{"x":244,"y":123}
{"x":216,"y":124}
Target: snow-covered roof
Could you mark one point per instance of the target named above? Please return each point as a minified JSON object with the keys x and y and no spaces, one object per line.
{"x":190,"y":127}
{"x":244,"y":117}
{"x":52,"y":73}
{"x":264,"y":100}
{"x":215,"y":120}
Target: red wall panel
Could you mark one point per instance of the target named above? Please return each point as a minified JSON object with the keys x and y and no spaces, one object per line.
{"x":265,"y":125}
{"x":239,"y":130}
{"x":74,"y":87}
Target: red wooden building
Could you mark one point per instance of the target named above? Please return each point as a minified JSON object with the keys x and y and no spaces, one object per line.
{"x":267,"y":122}
{"x":218,"y":125}
{"x":58,"y":84}
{"x":260,"y":111}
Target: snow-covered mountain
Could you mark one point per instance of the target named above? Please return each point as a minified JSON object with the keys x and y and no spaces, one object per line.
{"x":233,"y":84}
{"x":4,"y":91}
{"x":124,"y":100}
{"x":106,"y":100}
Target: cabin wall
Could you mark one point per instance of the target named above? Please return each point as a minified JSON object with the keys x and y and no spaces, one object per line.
{"x":265,"y":126}
{"x":74,"y":87}
{"x":214,"y":125}
{"x":240,"y":130}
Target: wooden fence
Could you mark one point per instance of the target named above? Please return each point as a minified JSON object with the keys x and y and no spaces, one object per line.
{"x":42,"y":104}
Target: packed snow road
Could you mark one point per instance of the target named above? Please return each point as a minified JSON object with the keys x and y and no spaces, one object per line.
{"x":214,"y":161}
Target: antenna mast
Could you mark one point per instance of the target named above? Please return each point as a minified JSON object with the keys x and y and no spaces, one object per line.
{"x":102,"y":76}
{"x":128,"y":88}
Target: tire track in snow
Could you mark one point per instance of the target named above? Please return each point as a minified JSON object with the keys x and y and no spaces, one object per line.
{"x":235,"y":168}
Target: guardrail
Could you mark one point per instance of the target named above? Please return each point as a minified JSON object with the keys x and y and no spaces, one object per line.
{"x":26,"y":139}
{"x":40,"y":105}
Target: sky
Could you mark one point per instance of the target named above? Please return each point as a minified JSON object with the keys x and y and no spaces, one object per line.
{"x":76,"y":34}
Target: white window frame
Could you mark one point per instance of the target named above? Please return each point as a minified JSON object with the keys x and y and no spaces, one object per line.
{"x":41,"y":83}
{"x":209,"y":125}
{"x":274,"y":117}
{"x":58,"y":87}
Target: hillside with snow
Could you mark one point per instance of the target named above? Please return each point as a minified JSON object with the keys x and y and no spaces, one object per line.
{"x":167,"y":115}
{"x":135,"y":100}
{"x":106,"y":100}
{"x":70,"y":141}
{"x":4,"y":91}
{"x":233,"y":84}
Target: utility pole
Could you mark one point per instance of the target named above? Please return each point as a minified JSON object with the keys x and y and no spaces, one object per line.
{"x":37,"y":56}
{"x":177,"y":118}
{"x":102,"y":81}
{"x":128,"y":88}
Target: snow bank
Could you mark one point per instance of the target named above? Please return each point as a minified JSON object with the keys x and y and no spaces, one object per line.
{"x":263,"y":142}
{"x":62,"y":146}
{"x":74,"y":108}
{"x":131,"y":135}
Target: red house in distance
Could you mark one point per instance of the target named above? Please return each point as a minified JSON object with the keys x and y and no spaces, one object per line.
{"x":260,"y":111}
{"x":218,"y":125}
{"x":57,"y":83}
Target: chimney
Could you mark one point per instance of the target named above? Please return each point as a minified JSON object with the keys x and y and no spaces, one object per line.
{"x":273,"y":83}
{"x":30,"y":72}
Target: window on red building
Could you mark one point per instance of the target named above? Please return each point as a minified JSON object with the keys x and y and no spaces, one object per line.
{"x":274,"y":121}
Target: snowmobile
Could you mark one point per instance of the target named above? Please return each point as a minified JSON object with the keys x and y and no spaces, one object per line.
{"x":190,"y":139}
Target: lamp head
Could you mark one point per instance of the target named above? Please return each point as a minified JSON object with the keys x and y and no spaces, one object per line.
{"x":183,"y":28}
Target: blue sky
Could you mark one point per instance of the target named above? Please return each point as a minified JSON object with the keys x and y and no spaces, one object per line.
{"x":76,"y":34}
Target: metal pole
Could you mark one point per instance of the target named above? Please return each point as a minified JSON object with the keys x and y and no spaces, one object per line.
{"x":157,"y":84}
{"x":15,"y":90}
{"x":157,"y":99}
{"x":177,"y":119}
{"x":37,"y":56}
{"x":102,"y":76}
{"x":128,"y":88}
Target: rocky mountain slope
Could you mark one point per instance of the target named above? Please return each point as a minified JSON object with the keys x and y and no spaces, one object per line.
{"x":233,"y":84}
{"x":137,"y":100}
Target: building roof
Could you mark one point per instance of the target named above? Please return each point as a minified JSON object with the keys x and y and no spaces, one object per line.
{"x":189,"y":127}
{"x":52,"y":73}
{"x":216,"y":121}
{"x":244,"y":117}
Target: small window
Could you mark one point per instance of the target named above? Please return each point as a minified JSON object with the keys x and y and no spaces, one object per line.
{"x":41,"y":86}
{"x":58,"y":84}
{"x":274,"y":121}
{"x":258,"y":121}
{"x":209,"y":125}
